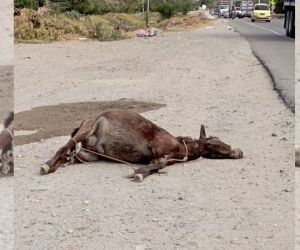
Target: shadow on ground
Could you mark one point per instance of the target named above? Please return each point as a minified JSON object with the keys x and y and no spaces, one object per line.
{"x":59,"y":120}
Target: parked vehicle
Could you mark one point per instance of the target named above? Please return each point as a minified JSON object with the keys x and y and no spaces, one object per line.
{"x":261,"y":12}
{"x":289,"y":18}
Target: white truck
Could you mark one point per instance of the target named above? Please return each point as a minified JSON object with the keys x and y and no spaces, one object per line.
{"x":289,"y":17}
{"x":246,"y":7}
{"x":224,"y":6}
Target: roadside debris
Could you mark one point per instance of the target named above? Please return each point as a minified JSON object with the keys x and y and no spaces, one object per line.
{"x":150,"y":32}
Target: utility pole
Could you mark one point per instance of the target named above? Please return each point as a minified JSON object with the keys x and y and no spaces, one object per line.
{"x":147,"y":14}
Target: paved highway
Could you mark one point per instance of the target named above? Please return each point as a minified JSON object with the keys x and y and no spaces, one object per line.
{"x":274,"y":50}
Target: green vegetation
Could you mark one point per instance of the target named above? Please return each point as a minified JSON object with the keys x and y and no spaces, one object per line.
{"x":30,"y":4}
{"x":103,"y":20}
{"x":31,"y":26}
{"x":98,"y":7}
{"x":278,"y":6}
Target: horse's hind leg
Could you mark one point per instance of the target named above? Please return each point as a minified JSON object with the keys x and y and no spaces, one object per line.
{"x":155,"y":165}
{"x":61,"y":155}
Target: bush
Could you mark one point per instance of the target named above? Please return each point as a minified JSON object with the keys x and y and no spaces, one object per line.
{"x":30,"y":4}
{"x":167,"y":10}
{"x":73,"y":14}
{"x":35,"y":19}
{"x":184,"y":7}
{"x":106,"y":33}
{"x":85,"y":7}
{"x":41,"y":3}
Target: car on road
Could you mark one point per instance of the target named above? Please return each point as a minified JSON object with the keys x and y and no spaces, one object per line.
{"x":261,"y":12}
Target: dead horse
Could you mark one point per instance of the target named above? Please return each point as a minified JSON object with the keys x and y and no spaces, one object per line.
{"x":126,"y":136}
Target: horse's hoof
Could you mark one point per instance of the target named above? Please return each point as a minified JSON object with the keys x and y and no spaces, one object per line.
{"x":44,"y":169}
{"x":131,"y":173}
{"x":237,"y":153}
{"x":162,"y":171}
{"x":138,"y":177}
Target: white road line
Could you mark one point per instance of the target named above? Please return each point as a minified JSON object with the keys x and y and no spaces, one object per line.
{"x":263,"y":28}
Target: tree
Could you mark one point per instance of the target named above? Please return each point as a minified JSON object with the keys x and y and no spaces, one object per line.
{"x":30,"y":4}
{"x":278,"y":6}
{"x":41,"y":3}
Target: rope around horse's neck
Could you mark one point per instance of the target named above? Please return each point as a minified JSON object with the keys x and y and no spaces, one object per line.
{"x":125,"y":162}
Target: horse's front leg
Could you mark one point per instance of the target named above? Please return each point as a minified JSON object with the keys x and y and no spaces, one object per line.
{"x":61,"y":156}
{"x":58,"y":159}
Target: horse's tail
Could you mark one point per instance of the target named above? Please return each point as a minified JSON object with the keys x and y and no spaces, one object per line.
{"x":75,"y":132}
{"x":9,"y":119}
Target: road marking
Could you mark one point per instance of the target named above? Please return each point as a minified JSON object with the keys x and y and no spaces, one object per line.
{"x":272,"y":31}
{"x":263,"y":28}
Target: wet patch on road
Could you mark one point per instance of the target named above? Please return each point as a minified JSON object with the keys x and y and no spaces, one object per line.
{"x":60,"y":120}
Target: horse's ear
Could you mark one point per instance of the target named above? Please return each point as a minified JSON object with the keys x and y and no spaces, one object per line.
{"x":202,"y":132}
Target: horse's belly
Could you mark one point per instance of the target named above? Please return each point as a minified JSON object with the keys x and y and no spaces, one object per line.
{"x":128,"y":152}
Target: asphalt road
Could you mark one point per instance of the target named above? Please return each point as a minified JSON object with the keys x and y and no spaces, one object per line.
{"x":274,"y":50}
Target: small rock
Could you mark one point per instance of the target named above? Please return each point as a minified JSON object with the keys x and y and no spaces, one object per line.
{"x":162,"y":171}
{"x":86,"y":202}
{"x":82,"y":38}
{"x":70,"y":231}
{"x":140,"y":247}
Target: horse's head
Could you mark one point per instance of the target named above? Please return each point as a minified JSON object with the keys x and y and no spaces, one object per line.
{"x":213,"y":147}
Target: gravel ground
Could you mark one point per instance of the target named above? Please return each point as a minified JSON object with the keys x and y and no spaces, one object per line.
{"x":207,"y":76}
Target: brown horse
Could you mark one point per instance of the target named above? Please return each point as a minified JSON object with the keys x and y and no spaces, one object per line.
{"x":125,"y":136}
